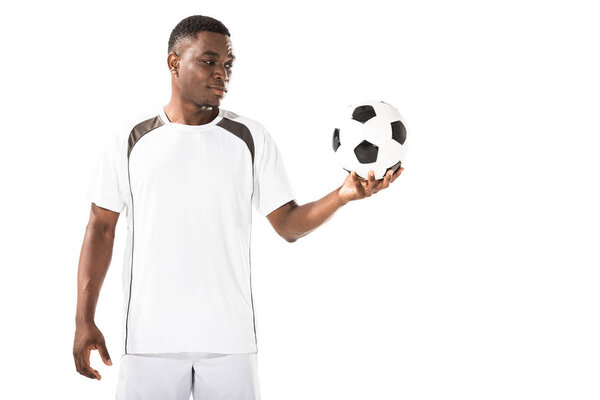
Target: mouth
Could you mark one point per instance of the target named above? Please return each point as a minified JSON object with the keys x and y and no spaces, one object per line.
{"x":219,"y":91}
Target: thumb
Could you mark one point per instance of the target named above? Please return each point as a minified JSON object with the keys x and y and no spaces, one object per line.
{"x":104,"y":353}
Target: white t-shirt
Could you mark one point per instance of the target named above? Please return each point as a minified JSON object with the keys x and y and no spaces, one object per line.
{"x":188,"y":191}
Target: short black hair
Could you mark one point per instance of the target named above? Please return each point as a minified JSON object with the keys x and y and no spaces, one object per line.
{"x":190,"y":26}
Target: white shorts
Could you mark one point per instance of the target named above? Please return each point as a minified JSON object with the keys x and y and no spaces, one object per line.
{"x":174,"y":376}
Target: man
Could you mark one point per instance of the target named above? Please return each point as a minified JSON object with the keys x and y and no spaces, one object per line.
{"x":189,"y":177}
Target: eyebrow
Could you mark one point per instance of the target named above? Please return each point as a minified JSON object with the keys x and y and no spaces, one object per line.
{"x":214,"y":53}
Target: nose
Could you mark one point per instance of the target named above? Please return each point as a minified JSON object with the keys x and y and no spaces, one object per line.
{"x":221,"y":72}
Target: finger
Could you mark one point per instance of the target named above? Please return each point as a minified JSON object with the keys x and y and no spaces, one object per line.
{"x":90,"y":373}
{"x":397,"y":173}
{"x":354,"y":178}
{"x":358,"y":184}
{"x":383,"y":182}
{"x":387,"y":179}
{"x":101,"y":347}
{"x":84,"y":368}
{"x":79,"y":364}
{"x":371,"y":184}
{"x":359,"y":178}
{"x":87,"y":367}
{"x":379,"y":185}
{"x":374,"y":184}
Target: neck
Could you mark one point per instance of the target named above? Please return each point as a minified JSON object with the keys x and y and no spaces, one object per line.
{"x":181,"y":112}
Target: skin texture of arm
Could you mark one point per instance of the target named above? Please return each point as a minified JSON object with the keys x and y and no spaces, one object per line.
{"x":94,"y":260}
{"x":292,"y":221}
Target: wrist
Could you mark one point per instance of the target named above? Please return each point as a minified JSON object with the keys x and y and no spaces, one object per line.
{"x":341,"y":201}
{"x":84,"y":322}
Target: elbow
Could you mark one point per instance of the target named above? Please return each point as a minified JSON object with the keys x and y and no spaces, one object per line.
{"x":287,"y":229}
{"x":290,"y":239}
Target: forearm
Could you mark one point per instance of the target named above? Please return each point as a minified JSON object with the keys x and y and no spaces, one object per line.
{"x":304,"y":219}
{"x":94,"y":260}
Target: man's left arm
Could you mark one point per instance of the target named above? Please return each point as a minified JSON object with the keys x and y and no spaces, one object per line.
{"x":292,"y":221}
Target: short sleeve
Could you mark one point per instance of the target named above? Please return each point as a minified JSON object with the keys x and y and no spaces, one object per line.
{"x":104,"y":188}
{"x":272,"y":187}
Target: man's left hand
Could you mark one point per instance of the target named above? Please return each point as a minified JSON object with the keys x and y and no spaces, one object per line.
{"x":355,"y":187}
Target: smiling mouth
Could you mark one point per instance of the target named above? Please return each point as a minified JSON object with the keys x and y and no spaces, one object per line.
{"x":218,"y":91}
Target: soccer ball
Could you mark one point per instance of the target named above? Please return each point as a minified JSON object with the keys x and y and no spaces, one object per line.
{"x":370,"y":136}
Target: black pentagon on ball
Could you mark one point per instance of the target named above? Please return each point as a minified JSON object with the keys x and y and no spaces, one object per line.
{"x":366,"y":152}
{"x":336,"y":139}
{"x":363,"y":113}
{"x":398,"y":132}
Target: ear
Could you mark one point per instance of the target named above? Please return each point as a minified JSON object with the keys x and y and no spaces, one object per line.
{"x":173,"y":63}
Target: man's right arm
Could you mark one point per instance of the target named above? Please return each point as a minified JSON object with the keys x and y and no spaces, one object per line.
{"x":94,"y":260}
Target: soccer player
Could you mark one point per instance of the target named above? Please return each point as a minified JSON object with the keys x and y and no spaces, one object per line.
{"x":188,"y":177}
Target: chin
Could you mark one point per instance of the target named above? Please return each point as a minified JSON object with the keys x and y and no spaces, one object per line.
{"x":213,"y":103}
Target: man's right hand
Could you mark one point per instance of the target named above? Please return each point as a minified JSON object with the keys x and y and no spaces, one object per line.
{"x":87,"y":338}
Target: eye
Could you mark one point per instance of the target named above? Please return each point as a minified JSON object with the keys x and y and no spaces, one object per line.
{"x":229,"y":66}
{"x":209,"y":62}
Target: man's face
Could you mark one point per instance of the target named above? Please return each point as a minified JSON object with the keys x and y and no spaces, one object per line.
{"x":204,"y":68}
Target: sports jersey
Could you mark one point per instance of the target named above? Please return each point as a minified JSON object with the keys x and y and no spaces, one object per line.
{"x":188,"y":191}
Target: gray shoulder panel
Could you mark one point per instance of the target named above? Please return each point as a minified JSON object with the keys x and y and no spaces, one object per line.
{"x":136,"y":134}
{"x":141,"y":129}
{"x":240,"y":130}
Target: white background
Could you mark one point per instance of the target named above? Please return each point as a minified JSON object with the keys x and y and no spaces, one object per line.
{"x":473,"y":276}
